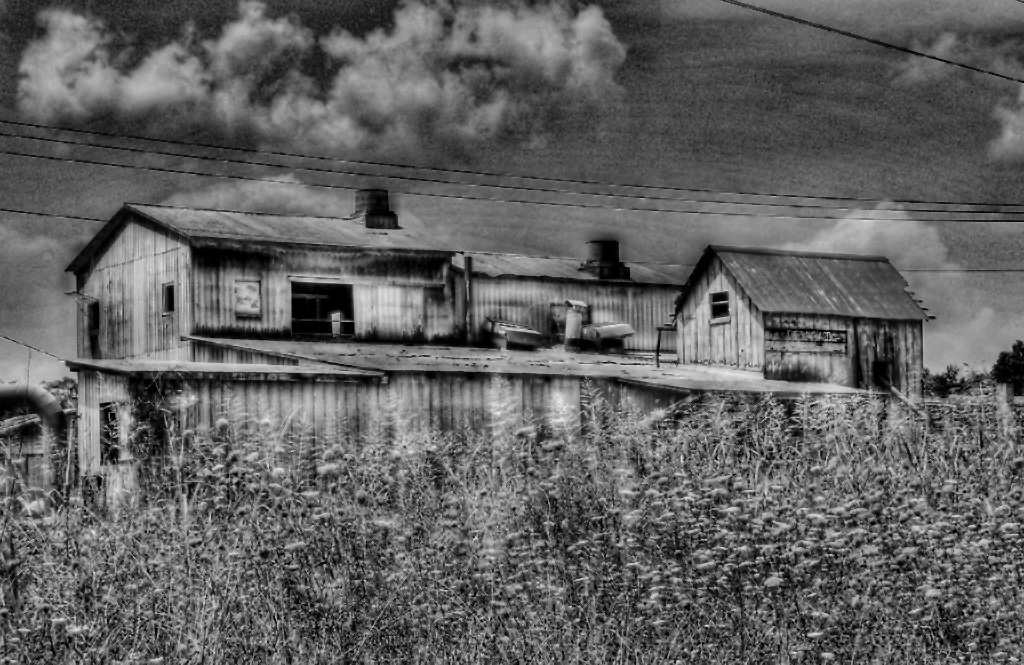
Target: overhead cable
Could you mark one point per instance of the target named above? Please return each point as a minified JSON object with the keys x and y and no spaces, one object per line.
{"x":487,"y":174}
{"x":559,"y":204}
{"x":870,"y":40}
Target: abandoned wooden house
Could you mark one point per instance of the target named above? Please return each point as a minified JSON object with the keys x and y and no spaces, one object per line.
{"x":329,"y":326}
{"x":800,"y":316}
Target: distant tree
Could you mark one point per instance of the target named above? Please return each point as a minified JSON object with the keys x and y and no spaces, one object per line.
{"x":953,"y":381}
{"x":1009,"y":367}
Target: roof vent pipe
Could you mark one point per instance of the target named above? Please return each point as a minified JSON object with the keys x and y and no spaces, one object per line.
{"x":375,"y":209}
{"x":603,"y":261}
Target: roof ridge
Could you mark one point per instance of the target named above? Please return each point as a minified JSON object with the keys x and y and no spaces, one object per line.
{"x":878,"y":258}
{"x":239,"y":212}
{"x":569,"y":258}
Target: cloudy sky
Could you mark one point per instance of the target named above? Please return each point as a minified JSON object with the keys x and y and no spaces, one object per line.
{"x":697,"y":104}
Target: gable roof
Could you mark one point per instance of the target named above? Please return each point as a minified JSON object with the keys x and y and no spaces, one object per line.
{"x":218,"y":227}
{"x":222,"y":228}
{"x":813,"y":283}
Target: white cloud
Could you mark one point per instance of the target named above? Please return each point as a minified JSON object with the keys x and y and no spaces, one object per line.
{"x":962,"y":331}
{"x":448,"y":77}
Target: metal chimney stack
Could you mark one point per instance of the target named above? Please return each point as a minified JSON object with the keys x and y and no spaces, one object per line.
{"x":373,"y":206}
{"x":604,"y":260}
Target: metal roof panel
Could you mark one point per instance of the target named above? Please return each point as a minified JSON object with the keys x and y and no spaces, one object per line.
{"x":814,"y":283}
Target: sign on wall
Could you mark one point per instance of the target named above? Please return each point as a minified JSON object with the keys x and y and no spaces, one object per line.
{"x":805,"y":340}
{"x":247,"y":298}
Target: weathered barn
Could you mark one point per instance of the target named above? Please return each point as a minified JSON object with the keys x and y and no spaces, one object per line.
{"x":800,"y":316}
{"x":154,"y":274}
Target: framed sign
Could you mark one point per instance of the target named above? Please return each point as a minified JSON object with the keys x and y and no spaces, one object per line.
{"x":247,"y":298}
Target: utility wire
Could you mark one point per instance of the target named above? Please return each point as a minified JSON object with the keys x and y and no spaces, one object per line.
{"x":545,"y":190}
{"x":489,"y":174}
{"x":870,"y":40}
{"x":559,"y":204}
{"x":30,"y":347}
{"x":50,"y":214}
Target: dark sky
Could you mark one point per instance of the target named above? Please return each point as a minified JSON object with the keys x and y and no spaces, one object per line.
{"x":697,"y":95}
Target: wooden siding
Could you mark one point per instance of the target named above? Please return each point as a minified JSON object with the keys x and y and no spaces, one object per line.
{"x":807,"y":347}
{"x":528,"y":302}
{"x":737,"y":340}
{"x":396,"y":297}
{"x":127,"y":279}
{"x":851,"y":362}
{"x":94,"y":388}
{"x":898,"y":343}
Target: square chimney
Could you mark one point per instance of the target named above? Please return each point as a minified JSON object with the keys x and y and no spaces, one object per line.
{"x":373,"y":206}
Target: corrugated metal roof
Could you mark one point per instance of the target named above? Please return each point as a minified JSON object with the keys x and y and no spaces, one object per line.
{"x":514,"y":265}
{"x":814,"y":283}
{"x":258,"y":227}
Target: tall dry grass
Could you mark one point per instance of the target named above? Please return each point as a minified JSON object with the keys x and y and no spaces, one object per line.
{"x":739,"y":531}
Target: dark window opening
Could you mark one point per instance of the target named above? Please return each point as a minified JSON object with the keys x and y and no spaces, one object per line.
{"x":322,"y":309}
{"x":169,"y":298}
{"x":719,"y":305}
{"x":92,"y":325}
{"x":881,"y":371}
{"x":110,"y":436}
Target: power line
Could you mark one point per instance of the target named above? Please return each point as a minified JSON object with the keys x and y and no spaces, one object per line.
{"x":559,"y":204}
{"x":488,"y":174}
{"x":545,"y":190}
{"x":222,"y":160}
{"x":50,"y":214}
{"x":870,"y":40}
{"x":29,"y":346}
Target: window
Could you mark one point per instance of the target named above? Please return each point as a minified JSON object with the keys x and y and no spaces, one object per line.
{"x":719,"y":305}
{"x":169,"y":298}
{"x":322,"y":309}
{"x":110,"y":434}
{"x":92,"y":327}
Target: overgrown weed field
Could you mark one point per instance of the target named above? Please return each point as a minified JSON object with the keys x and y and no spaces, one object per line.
{"x":735,"y":532}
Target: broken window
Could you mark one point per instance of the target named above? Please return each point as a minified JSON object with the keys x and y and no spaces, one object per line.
{"x":169,"y":298}
{"x":719,"y":305}
{"x":322,"y":309}
{"x":110,"y":434}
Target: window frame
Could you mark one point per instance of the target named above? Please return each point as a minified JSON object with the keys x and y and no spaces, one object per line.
{"x":323,"y":305}
{"x":718,"y":303}
{"x":169,"y":298}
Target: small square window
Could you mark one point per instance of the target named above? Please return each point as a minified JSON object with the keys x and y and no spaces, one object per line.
{"x":719,"y":305}
{"x":169,"y":300}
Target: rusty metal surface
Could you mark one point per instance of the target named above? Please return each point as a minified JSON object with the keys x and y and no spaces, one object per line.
{"x":395,"y":359}
{"x":514,"y":265}
{"x":807,"y":283}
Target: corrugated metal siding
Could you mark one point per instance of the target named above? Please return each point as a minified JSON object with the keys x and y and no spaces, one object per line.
{"x":819,"y":284}
{"x":528,"y":302}
{"x":396,"y":298}
{"x":514,"y":265}
{"x":128,"y":281}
